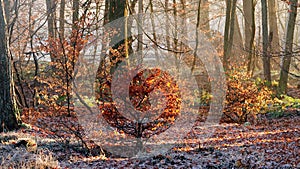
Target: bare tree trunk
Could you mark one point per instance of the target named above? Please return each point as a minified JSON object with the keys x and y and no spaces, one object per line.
{"x":51,"y":18}
{"x":229,"y":31}
{"x":238,"y":44}
{"x":105,"y":38}
{"x":167,"y":25}
{"x":266,"y":57}
{"x":274,"y":35}
{"x":62,"y":19}
{"x":184,"y":24}
{"x":116,"y":11}
{"x":248,"y":7}
{"x":9,"y":114}
{"x":204,"y":18}
{"x":140,"y":31}
{"x":288,"y":49}
{"x":232,"y":26}
{"x":275,"y":46}
{"x":153,"y":30}
{"x":7,"y":5}
{"x":51,"y":22}
{"x":75,"y":17}
{"x":36,"y":71}
{"x":237,"y":37}
{"x":175,"y":34}
{"x":226,"y":52}
{"x":197,"y":35}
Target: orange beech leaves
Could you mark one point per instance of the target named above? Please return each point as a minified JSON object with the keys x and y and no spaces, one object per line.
{"x":156,"y":100}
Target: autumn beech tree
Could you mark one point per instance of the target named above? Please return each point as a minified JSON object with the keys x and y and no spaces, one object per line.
{"x":146,"y":115}
{"x":9,"y":115}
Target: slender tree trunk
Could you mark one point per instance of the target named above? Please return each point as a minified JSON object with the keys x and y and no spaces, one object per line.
{"x":288,"y":48}
{"x":7,"y":11}
{"x":197,"y":35}
{"x":238,"y":43}
{"x":234,"y":31}
{"x":249,"y":30}
{"x":153,"y":30}
{"x":140,"y":31}
{"x":51,"y":18}
{"x":229,"y":31}
{"x":184,"y":25}
{"x":237,"y":37}
{"x":232,"y":25}
{"x":105,"y":38}
{"x":126,"y":32}
{"x":51,"y":22}
{"x":175,"y":34}
{"x":75,"y":18}
{"x":36,"y":71}
{"x":167,"y":25}
{"x":62,"y":19}
{"x":274,"y":34}
{"x":266,"y":57}
{"x":226,"y":52}
{"x":275,"y":46}
{"x":9,"y":114}
{"x":116,"y":11}
{"x":204,"y":17}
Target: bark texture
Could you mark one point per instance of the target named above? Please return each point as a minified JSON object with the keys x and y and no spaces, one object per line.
{"x":9,"y":116}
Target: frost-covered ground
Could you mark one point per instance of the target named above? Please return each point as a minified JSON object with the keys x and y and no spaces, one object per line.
{"x":274,"y":143}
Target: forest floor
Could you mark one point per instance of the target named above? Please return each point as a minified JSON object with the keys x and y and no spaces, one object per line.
{"x":272,"y":143}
